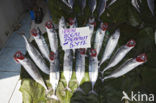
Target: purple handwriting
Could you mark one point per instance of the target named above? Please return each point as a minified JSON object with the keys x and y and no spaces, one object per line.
{"x":73,"y":38}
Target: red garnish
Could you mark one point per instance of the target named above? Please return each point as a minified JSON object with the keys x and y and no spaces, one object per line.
{"x":104,"y":26}
{"x":93,"y":52}
{"x":52,"y":56}
{"x":71,"y":21}
{"x":82,"y":51}
{"x":93,"y":23}
{"x":131,"y":43}
{"x":141,"y":58}
{"x":18,"y":55}
{"x":49,"y":24}
{"x":34,"y":32}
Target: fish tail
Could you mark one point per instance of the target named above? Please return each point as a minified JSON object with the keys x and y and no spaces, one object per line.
{"x":93,"y":92}
{"x":80,"y":89}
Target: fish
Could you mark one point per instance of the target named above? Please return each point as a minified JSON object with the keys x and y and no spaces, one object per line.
{"x":66,"y":3}
{"x":82,"y":4}
{"x":52,"y":36}
{"x":62,"y":26}
{"x":99,"y":37}
{"x":101,"y":7}
{"x":36,"y":56}
{"x":136,"y":5}
{"x":41,"y":43}
{"x":92,"y":5}
{"x":112,"y":2}
{"x":80,"y":66}
{"x":67,"y":66}
{"x":72,"y":24}
{"x":110,"y":46}
{"x":93,"y":68}
{"x":54,"y":73}
{"x":127,"y":66}
{"x":91,"y":24}
{"x":120,"y":54}
{"x":30,"y":67}
{"x":151,"y":6}
{"x":71,"y":3}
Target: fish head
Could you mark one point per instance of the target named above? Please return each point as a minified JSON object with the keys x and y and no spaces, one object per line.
{"x":131,"y":43}
{"x":52,"y":56}
{"x":71,"y":21}
{"x":82,"y":51}
{"x":49,"y":24}
{"x":116,"y":35}
{"x":104,"y":26}
{"x":92,"y":21}
{"x":18,"y":56}
{"x":141,"y":58}
{"x":93,"y":52}
{"x":34,"y":32}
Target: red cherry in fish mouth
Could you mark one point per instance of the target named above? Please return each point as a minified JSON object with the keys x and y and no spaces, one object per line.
{"x":52,"y":56}
{"x":18,"y":56}
{"x":104,"y":26}
{"x":34,"y":32}
{"x":93,"y":23}
{"x":82,"y":51}
{"x":93,"y":52}
{"x":131,"y":43}
{"x":141,"y":58}
{"x":71,"y":21}
{"x":49,"y":25}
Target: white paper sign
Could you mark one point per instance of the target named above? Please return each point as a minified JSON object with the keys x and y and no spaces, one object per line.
{"x":74,"y":38}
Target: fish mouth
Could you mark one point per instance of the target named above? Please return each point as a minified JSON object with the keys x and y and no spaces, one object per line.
{"x":52,"y":56}
{"x":48,"y":24}
{"x":71,"y":21}
{"x":104,"y":26}
{"x":92,"y":52}
{"x":34,"y":32}
{"x":18,"y":56}
{"x":131,"y":43}
{"x":141,"y":58}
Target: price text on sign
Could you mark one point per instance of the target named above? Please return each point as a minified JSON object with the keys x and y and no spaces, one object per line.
{"x":74,"y":38}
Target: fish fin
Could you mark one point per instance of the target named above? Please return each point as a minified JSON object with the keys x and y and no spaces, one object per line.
{"x":80,"y":90}
{"x":53,"y":97}
{"x":67,"y":88}
{"x":92,"y":92}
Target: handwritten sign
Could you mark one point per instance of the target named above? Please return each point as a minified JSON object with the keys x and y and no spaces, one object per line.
{"x":74,"y":38}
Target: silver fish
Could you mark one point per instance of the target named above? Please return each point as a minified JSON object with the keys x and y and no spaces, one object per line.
{"x":120,"y":54}
{"x":71,"y":3}
{"x":66,"y":3}
{"x":112,"y":2}
{"x":127,"y":66}
{"x":110,"y":46}
{"x":54,"y":73}
{"x":82,"y":4}
{"x":136,"y":5}
{"x":93,"y":69}
{"x":101,"y":7}
{"x":99,"y":37}
{"x":36,"y":56}
{"x":52,"y":36}
{"x":30,"y":67}
{"x":67,"y":66}
{"x":62,"y":26}
{"x":92,"y":5}
{"x":91,"y":25}
{"x":80,"y":67}
{"x":151,"y":5}
{"x":41,"y":43}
